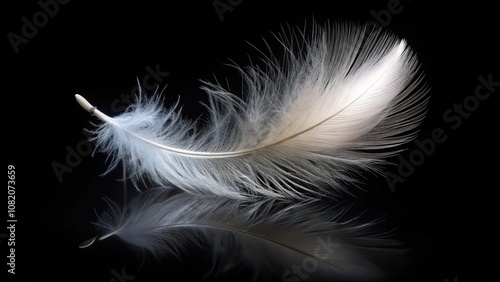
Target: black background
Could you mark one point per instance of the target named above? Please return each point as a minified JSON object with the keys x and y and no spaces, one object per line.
{"x":98,"y":49}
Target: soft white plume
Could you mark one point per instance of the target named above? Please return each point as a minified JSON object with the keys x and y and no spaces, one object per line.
{"x":344,"y":100}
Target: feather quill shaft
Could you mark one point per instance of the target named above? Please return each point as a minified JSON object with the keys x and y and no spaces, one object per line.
{"x":341,"y":103}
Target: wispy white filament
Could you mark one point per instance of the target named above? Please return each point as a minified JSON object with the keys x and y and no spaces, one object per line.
{"x":342,"y":102}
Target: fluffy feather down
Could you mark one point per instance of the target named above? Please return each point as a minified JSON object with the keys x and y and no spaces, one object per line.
{"x":343,"y":101}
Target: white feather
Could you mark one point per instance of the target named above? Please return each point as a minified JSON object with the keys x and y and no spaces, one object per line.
{"x":343,"y":101}
{"x":267,"y":236}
